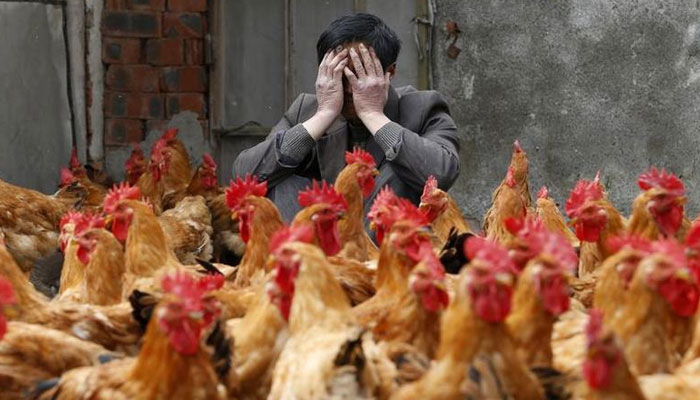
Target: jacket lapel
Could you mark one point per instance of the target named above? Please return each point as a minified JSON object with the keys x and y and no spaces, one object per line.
{"x":331,"y":147}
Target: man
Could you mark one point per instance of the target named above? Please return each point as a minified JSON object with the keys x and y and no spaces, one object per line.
{"x":409,"y":133}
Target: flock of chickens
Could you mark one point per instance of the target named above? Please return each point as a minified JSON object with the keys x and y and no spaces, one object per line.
{"x":175,"y":288}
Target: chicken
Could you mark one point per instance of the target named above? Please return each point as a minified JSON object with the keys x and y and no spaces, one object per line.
{"x":112,"y":327}
{"x":172,"y":363}
{"x":258,"y":219}
{"x":188,"y":230}
{"x":73,"y":270}
{"x":442,"y":211}
{"x":473,"y":333}
{"x":511,"y":198}
{"x":103,"y":257}
{"x":78,"y":173}
{"x":549,"y":213}
{"x":541,"y":293}
{"x":658,"y":210}
{"x":355,"y":183}
{"x":135,"y":165}
{"x":595,"y":221}
{"x":150,"y":182}
{"x":655,"y":323}
{"x":178,"y":175}
{"x":410,"y":285}
{"x":605,"y":370}
{"x":260,"y":336}
{"x":29,"y":220}
{"x":327,"y":355}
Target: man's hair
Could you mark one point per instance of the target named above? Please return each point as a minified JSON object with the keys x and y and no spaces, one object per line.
{"x":364,"y":28}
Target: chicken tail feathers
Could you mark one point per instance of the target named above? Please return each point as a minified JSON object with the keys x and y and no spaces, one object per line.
{"x":210,"y":269}
{"x":221,"y":357}
{"x":142,"y":305}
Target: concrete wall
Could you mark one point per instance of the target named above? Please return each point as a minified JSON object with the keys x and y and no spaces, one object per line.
{"x":35,"y":119}
{"x":584,"y":84}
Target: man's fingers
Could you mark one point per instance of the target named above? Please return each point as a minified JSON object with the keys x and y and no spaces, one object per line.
{"x":377,"y":64}
{"x":367,"y":60}
{"x":357,"y":64}
{"x":323,"y":67}
{"x":342,"y":55}
{"x":351,"y":77}
{"x":338,"y":70}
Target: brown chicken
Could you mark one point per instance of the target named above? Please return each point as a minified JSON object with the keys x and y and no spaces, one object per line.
{"x":477,"y":357}
{"x":29,"y":220}
{"x":135,"y":165}
{"x":548,"y":211}
{"x":355,"y":183}
{"x":188,"y":230}
{"x":150,"y":182}
{"x":323,"y":208}
{"x":605,"y":370}
{"x":178,"y":175}
{"x":173,"y":362}
{"x":655,"y":324}
{"x":508,"y":202}
{"x":658,"y":210}
{"x":112,"y":327}
{"x":442,"y":211}
{"x":595,"y":221}
{"x":410,"y":284}
{"x":258,"y":218}
{"x":77,"y":173}
{"x":542,"y":291}
{"x":327,"y":355}
{"x":103,"y":257}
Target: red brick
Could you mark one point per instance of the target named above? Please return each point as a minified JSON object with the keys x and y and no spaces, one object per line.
{"x":115,"y":5}
{"x":177,"y":103}
{"x":184,"y":25}
{"x":184,"y":79}
{"x":165,"y":52}
{"x":122,"y":132}
{"x":132,"y":78}
{"x":149,"y":5}
{"x":131,"y":24}
{"x":121,"y":51}
{"x":134,"y":105}
{"x":187,"y":5}
{"x":194,"y":52}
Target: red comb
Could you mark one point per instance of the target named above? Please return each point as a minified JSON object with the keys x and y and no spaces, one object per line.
{"x":543,"y":193}
{"x":692,"y":239}
{"x":70,"y":217}
{"x":583,"y":192}
{"x":185,"y":286}
{"x":301,"y":233}
{"x":88,"y":221}
{"x":242,"y":188}
{"x":74,"y":162}
{"x":672,"y":249}
{"x":136,"y":154}
{"x":630,"y":241}
{"x":324,"y":194}
{"x":493,"y":253}
{"x":7,"y":293}
{"x":119,"y":193}
{"x":661,"y":179}
{"x":169,"y":134}
{"x":67,"y":177}
{"x":385,"y":198}
{"x":430,"y":185}
{"x":360,"y":156}
{"x":407,"y":211}
{"x":594,"y":327}
{"x":540,"y":240}
{"x":209,"y":162}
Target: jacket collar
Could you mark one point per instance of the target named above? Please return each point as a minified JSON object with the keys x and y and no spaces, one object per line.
{"x":332,"y":145}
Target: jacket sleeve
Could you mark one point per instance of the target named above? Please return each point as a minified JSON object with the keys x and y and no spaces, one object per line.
{"x":433,"y":151}
{"x":287,"y":148}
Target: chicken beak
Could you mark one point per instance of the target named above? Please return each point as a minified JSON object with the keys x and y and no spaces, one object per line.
{"x":108,"y":219}
{"x":375,"y":172}
{"x":684,"y":274}
{"x":681,"y":200}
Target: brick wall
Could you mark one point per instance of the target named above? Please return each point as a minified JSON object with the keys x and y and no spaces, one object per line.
{"x":153,"y":51}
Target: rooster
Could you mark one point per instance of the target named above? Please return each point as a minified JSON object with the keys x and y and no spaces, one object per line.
{"x":595,"y":221}
{"x":542,"y":292}
{"x":258,"y":218}
{"x":327,"y":355}
{"x":177,"y":176}
{"x":135,"y":165}
{"x":29,"y":220}
{"x":77,"y":173}
{"x":442,"y":212}
{"x":473,"y":333}
{"x":323,"y":208}
{"x":658,"y":210}
{"x":548,"y":211}
{"x":172,"y":364}
{"x":355,"y":183}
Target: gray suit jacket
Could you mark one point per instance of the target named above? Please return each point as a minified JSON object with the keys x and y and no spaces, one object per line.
{"x":427,"y":144}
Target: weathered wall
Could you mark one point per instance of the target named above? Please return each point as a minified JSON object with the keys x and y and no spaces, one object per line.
{"x":35,"y":120}
{"x":584,"y":84}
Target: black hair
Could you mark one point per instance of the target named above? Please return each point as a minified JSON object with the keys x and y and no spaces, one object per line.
{"x":364,"y":28}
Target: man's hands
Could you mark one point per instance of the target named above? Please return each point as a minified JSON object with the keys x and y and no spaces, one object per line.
{"x":329,"y":92}
{"x":370,"y":87}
